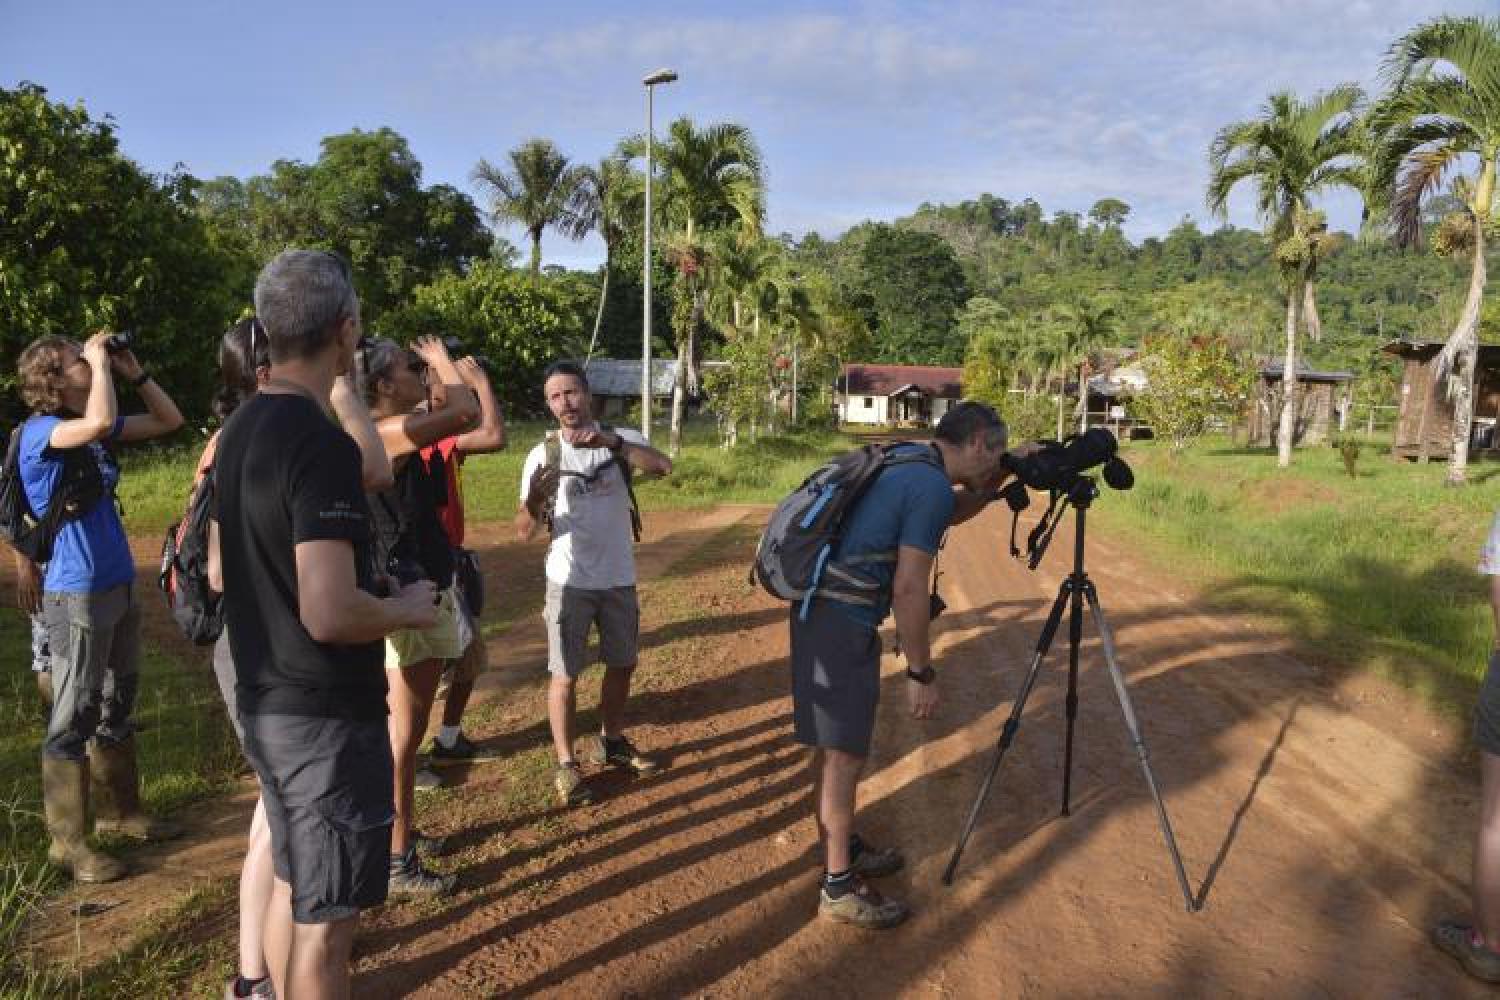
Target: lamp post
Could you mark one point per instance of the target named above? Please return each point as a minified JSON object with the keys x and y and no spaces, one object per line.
{"x":660,"y":76}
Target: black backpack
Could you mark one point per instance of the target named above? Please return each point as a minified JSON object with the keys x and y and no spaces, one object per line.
{"x":78,"y":489}
{"x":795,"y":558}
{"x":197,"y":609}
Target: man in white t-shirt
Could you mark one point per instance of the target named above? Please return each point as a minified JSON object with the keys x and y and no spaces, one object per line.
{"x":576,"y":484}
{"x":1476,"y":945}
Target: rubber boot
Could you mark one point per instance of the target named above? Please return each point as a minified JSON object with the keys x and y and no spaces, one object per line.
{"x":65,"y":799}
{"x":117,"y":795}
{"x":44,"y":685}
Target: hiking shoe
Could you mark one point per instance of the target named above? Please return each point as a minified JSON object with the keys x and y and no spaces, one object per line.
{"x":1459,"y":941}
{"x":571,"y":791}
{"x":863,"y":907}
{"x":617,"y":751}
{"x":875,"y":862}
{"x":433,"y":847}
{"x":463,"y":751}
{"x":426,"y":779}
{"x":410,"y":880}
{"x":262,"y":990}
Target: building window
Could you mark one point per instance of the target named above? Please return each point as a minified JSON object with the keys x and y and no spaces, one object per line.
{"x":869,"y":401}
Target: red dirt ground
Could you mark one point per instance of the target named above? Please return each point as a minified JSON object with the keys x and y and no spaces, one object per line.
{"x":1325,"y":817}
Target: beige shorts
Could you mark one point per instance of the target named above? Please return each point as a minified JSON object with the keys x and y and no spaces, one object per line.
{"x":474,"y":659}
{"x":440,"y":642}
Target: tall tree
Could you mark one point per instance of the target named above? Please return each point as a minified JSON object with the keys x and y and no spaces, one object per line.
{"x":1442,"y":114}
{"x":1084,"y":327}
{"x":1292,"y":152}
{"x":607,"y":200}
{"x":537,"y":192}
{"x":711,"y":178}
{"x":915,"y":287}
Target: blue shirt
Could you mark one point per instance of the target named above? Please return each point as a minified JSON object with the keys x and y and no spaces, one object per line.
{"x":909,"y":504}
{"x":91,"y":552}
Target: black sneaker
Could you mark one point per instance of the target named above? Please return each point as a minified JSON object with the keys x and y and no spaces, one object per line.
{"x":463,"y":751}
{"x":617,"y":751}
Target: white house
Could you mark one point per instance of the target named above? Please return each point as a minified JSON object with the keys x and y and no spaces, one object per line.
{"x":896,"y":394}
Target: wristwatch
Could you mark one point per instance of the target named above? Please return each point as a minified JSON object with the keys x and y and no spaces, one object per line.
{"x":924,"y":676}
{"x":141,"y":379}
{"x":619,"y":444}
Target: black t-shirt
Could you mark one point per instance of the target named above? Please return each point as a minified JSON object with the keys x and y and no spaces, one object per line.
{"x":407,"y":521}
{"x":285,"y":473}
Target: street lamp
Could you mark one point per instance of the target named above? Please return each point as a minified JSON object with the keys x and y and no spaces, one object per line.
{"x":660,"y":76}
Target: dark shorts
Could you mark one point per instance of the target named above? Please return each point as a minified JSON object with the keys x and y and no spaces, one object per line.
{"x":1487,"y":709}
{"x":835,"y":679}
{"x":327,"y":786}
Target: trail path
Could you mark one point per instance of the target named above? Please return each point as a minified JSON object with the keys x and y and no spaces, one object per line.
{"x":1325,"y":818}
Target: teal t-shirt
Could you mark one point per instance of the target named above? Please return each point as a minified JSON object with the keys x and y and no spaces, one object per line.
{"x":909,"y":504}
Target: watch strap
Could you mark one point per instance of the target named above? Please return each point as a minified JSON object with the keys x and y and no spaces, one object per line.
{"x":924,"y":676}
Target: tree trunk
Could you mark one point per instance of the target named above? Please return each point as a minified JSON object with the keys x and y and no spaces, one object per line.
{"x":536,"y":253}
{"x":1083,"y":398}
{"x":599,"y":314}
{"x":1286,"y":436}
{"x":1461,"y":355}
{"x":1061,"y":401}
{"x":1310,"y":319}
{"x":679,"y":396}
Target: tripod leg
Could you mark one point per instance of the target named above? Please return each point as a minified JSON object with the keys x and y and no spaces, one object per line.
{"x":1008,"y":732}
{"x":1107,"y":640}
{"x":1075,"y":639}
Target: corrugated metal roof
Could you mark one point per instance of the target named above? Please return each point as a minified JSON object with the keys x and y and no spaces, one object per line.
{"x":611,"y":377}
{"x":884,"y":380}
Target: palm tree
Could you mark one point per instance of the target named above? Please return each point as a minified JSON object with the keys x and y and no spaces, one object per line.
{"x":1292,"y":152}
{"x":1084,"y":326}
{"x":606,"y":200}
{"x":537,"y":191}
{"x":711,"y":178}
{"x":1443,"y":111}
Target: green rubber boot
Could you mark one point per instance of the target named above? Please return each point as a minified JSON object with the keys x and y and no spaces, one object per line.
{"x":117,"y":795}
{"x":65,"y":799}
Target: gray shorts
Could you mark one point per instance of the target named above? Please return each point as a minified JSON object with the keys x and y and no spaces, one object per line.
{"x":328,"y":789}
{"x":224,"y":674}
{"x":570,"y":613}
{"x":1487,"y":709}
{"x":835,"y":679}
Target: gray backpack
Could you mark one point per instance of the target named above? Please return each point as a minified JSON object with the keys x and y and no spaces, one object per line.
{"x":795,"y":560}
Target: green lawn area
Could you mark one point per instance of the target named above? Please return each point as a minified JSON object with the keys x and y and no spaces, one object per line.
{"x":1376,"y":571}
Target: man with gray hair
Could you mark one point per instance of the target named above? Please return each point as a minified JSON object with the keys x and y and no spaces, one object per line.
{"x":893,"y":534}
{"x":305,"y":622}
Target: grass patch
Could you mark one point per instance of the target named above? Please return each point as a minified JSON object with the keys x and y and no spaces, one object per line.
{"x":1372,"y":571}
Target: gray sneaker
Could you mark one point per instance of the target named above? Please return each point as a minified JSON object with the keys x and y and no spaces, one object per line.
{"x":1458,"y":940}
{"x":571,"y":791}
{"x":262,"y":990}
{"x":863,"y":907}
{"x":409,"y":880}
{"x":426,"y":779}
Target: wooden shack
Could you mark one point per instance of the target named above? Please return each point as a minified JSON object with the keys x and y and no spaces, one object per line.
{"x":1424,"y":419}
{"x":1321,"y":397}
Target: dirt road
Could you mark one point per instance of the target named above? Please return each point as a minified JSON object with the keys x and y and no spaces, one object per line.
{"x":1325,"y":818}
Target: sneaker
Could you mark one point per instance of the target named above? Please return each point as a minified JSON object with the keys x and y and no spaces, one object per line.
{"x":571,"y":790}
{"x":408,"y":879}
{"x":1458,"y":940}
{"x":617,"y":751}
{"x":426,"y":779}
{"x":463,"y":751}
{"x":875,"y":862}
{"x":262,"y":990}
{"x":862,"y":907}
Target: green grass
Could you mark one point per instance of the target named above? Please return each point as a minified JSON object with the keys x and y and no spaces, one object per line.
{"x":1376,"y":571}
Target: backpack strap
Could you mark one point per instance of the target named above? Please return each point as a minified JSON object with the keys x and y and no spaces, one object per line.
{"x":628,"y":474}
{"x":552,"y":459}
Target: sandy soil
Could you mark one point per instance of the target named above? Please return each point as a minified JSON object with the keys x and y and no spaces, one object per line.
{"x":1324,"y":817}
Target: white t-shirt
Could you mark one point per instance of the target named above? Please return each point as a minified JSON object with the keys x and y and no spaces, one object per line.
{"x":593,"y":547}
{"x":1489,"y":558}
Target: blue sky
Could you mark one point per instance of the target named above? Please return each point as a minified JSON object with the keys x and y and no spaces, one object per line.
{"x":863,"y":110}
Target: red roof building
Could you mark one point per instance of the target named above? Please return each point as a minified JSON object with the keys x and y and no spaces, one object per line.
{"x":896,"y":394}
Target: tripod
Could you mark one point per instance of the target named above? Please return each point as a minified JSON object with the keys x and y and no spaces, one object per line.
{"x":1071,"y":594}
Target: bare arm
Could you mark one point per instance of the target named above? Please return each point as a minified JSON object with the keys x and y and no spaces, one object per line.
{"x":28,"y":584}
{"x":453,"y":410}
{"x":161,"y":416}
{"x":374,"y":464}
{"x":332,"y":607}
{"x":910,"y":605}
{"x":99,"y":415}
{"x":489,"y":435}
{"x":642,"y":457}
{"x":215,"y":565}
{"x":526,"y":524}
